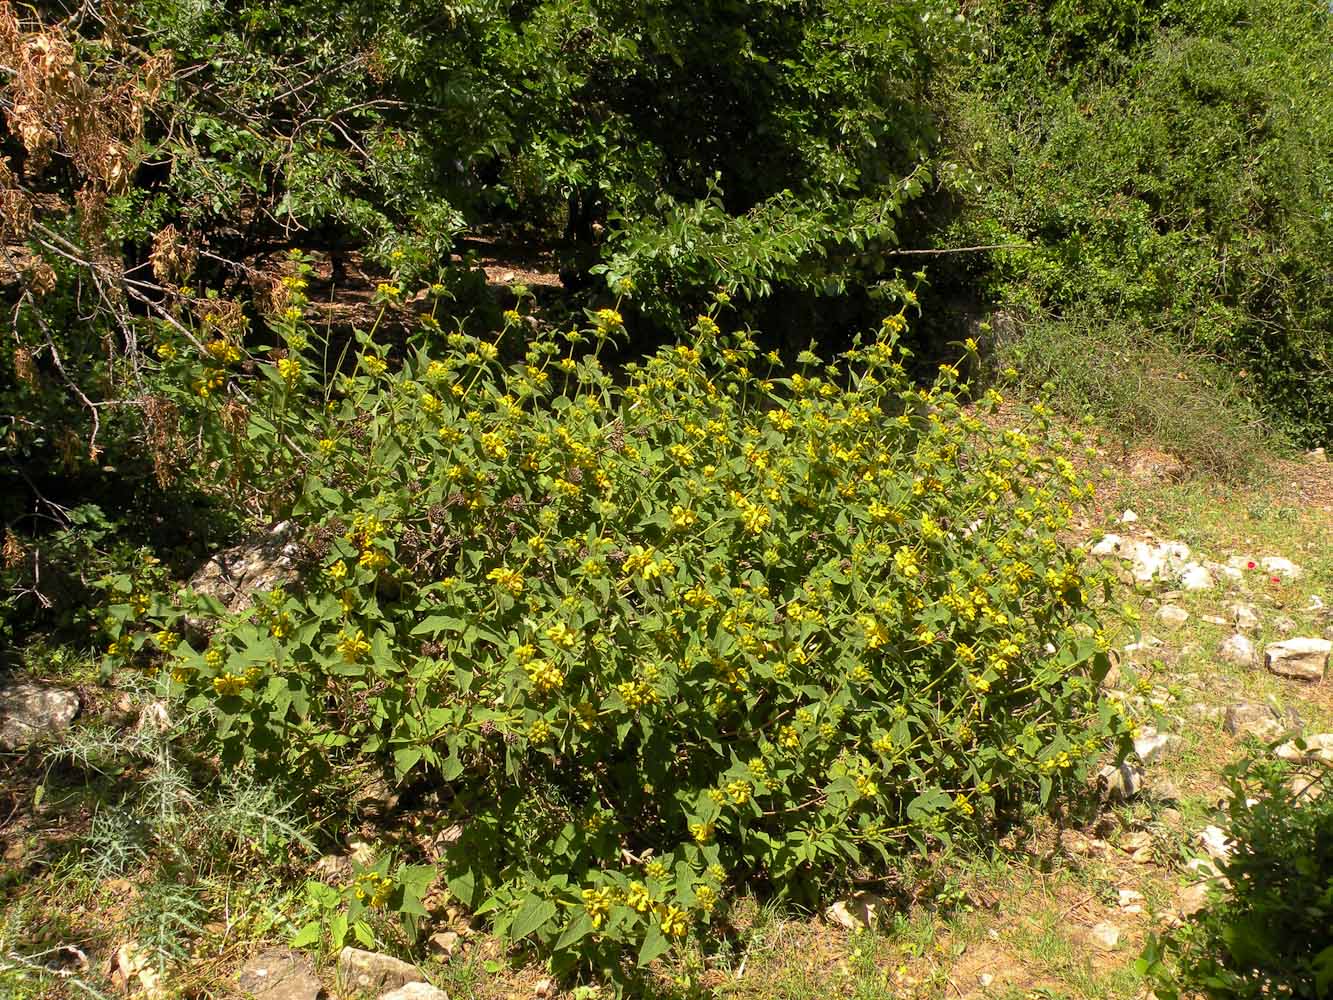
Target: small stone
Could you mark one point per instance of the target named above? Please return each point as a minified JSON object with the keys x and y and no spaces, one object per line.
{"x":371,"y":972}
{"x":1171,"y":817}
{"x":1105,"y":936}
{"x":1075,"y":842}
{"x":1214,"y":842}
{"x":544,"y":988}
{"x":1237,"y":649}
{"x":857,"y":912}
{"x":1303,"y":659}
{"x":1138,"y":845}
{"x":1165,"y":790}
{"x":1172,"y":616}
{"x":416,"y":991}
{"x":446,"y":943}
{"x":1128,"y":517}
{"x":1195,"y":577}
{"x":279,"y":974}
{"x":1131,"y":900}
{"x":30,"y":711}
{"x":1316,"y":456}
{"x":1214,"y":619}
{"x":1121,"y":783}
{"x":1108,"y":546}
{"x":984,"y":980}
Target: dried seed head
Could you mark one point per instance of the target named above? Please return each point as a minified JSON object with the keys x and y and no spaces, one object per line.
{"x":24,"y":366}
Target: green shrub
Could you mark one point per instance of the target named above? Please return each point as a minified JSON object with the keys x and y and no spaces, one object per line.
{"x":710,"y":625}
{"x":1267,"y":933}
{"x":1166,"y":164}
{"x":1138,"y":388}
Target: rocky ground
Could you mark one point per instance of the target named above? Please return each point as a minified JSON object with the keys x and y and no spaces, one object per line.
{"x":1234,"y":594}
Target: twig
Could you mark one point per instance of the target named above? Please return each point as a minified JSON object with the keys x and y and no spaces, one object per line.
{"x":948,"y":250}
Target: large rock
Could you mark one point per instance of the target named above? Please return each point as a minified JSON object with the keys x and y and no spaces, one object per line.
{"x":279,"y":974}
{"x":1151,"y":746}
{"x":30,"y":711}
{"x":235,"y":575}
{"x":371,"y":972}
{"x":1304,"y":659}
{"x":1263,"y":722}
{"x":1318,"y":747}
{"x":1280,"y":567}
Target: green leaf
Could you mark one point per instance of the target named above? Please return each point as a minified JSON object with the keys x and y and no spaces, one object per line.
{"x":655,"y":944}
{"x":404,"y":759}
{"x":364,"y":934}
{"x":337,"y":930}
{"x":435,"y":624}
{"x":534,"y":914}
{"x":930,"y":801}
{"x":307,"y":935}
{"x":576,"y":931}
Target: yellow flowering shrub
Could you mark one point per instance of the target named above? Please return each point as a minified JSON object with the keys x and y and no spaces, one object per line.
{"x":715,"y":622}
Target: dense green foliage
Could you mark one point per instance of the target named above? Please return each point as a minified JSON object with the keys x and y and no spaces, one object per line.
{"x":658,"y":638}
{"x":1168,"y":165}
{"x":710,"y":617}
{"x":1267,"y":932}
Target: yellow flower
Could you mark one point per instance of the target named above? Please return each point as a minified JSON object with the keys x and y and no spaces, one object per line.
{"x":289,"y":369}
{"x":545,"y":675}
{"x":607,"y":320}
{"x":705,"y":896}
{"x":675,"y":922}
{"x":352,"y":646}
{"x":222,"y":351}
{"x":373,"y":559}
{"x":682,"y":518}
{"x":638,"y":897}
{"x":562,"y":635}
{"x":493,"y":446}
{"x":702,"y":832}
{"x":539,"y":731}
{"x":230,"y":684}
{"x":506,"y":579}
{"x":598,"y":904}
{"x":208,"y":382}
